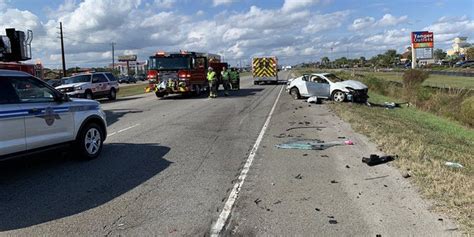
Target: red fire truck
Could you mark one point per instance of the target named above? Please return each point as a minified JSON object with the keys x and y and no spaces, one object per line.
{"x":15,"y":47}
{"x":179,"y":73}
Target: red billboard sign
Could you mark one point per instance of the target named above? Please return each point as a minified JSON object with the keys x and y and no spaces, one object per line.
{"x":422,"y":39}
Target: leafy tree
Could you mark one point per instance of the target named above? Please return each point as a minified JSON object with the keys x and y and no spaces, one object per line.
{"x":325,"y":61}
{"x":439,"y":54}
{"x":470,"y":53}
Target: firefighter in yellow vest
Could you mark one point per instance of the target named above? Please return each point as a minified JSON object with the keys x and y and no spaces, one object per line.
{"x":225,"y":75}
{"x":212,"y":79}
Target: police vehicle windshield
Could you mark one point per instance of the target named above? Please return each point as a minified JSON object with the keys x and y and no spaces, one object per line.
{"x":77,"y":79}
{"x":170,"y":63}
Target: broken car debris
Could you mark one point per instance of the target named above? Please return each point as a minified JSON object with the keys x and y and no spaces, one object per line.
{"x":453,"y":164}
{"x":312,"y":144}
{"x":377,"y":160}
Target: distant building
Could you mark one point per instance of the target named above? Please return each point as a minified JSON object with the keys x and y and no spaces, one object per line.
{"x":460,"y":46}
{"x":135,"y":66}
{"x":406,"y":56}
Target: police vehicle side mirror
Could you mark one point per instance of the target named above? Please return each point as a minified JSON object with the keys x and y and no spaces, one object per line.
{"x":60,"y":97}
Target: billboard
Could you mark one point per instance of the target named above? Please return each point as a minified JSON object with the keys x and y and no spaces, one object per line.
{"x":424,"y":53}
{"x":125,"y":58}
{"x":422,"y":39}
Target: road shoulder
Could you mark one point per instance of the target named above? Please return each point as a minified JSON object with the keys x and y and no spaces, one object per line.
{"x":295,"y":192}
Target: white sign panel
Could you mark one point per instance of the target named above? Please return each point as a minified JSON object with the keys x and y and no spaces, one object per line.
{"x":424,"y":53}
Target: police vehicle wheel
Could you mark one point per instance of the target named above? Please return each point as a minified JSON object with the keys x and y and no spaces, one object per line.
{"x":338,"y":96}
{"x":112,"y":94}
{"x":295,"y":93}
{"x":88,"y":95}
{"x":90,"y":141}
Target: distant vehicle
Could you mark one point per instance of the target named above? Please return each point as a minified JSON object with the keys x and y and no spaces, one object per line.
{"x":127,"y":79}
{"x":140,"y":77}
{"x":265,"y":70}
{"x":179,"y":73}
{"x":327,"y":86}
{"x":91,"y":86}
{"x":464,"y":64}
{"x":34,"y":117}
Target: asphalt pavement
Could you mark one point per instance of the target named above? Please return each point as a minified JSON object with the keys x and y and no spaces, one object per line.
{"x":169,"y":166}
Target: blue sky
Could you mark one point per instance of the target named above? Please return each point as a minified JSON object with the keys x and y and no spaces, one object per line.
{"x":294,"y":30}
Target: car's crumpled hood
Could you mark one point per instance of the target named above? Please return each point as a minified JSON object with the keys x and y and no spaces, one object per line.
{"x":71,"y":85}
{"x":356,"y":85}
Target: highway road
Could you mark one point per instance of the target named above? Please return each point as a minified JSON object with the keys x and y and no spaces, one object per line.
{"x":184,"y":166}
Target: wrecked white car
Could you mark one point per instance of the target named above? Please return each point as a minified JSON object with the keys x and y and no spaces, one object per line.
{"x":327,"y":86}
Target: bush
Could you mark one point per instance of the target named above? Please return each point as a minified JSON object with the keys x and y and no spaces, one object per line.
{"x":467,"y":110}
{"x":412,"y":80}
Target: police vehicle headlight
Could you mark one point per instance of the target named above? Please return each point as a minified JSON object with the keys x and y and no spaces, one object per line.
{"x":77,"y":88}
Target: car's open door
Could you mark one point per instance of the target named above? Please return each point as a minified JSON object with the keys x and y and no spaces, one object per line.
{"x":318,"y":87}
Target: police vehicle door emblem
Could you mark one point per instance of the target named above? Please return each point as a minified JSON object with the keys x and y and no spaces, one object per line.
{"x":49,"y":116}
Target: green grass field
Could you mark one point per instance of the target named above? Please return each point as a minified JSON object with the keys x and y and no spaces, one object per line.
{"x":131,"y":90}
{"x":434,"y":80}
{"x":423,"y":142}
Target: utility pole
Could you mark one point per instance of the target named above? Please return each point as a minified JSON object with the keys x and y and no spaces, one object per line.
{"x":113,"y":56}
{"x":62,"y":48}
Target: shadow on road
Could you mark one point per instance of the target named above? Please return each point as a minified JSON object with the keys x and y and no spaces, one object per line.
{"x":114,"y":115}
{"x":107,"y":101}
{"x":46,"y":188}
{"x":239,"y":93}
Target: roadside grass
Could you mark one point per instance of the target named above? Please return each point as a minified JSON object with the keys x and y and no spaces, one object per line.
{"x":131,"y":90}
{"x":423,"y":142}
{"x":440,"y":81}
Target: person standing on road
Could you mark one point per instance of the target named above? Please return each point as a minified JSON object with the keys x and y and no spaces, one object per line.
{"x":234,"y":79}
{"x":212,"y":80}
{"x":225,"y":75}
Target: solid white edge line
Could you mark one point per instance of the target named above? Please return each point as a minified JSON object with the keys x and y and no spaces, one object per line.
{"x":224,"y":216}
{"x":122,"y":130}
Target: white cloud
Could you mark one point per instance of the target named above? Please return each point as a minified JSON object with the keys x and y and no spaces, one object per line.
{"x":222,"y":2}
{"x":362,"y":23}
{"x":291,"y":5}
{"x":165,"y":3}
{"x":325,"y":22}
{"x":447,"y":28}
{"x":21,"y":20}
{"x":370,"y":23}
{"x":389,"y":20}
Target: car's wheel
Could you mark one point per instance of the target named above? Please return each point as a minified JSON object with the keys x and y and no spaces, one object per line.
{"x":255,"y":82}
{"x":112,"y":94}
{"x":88,"y":95}
{"x":338,"y":96}
{"x":90,"y":141}
{"x":295,"y":93}
{"x":159,"y":94}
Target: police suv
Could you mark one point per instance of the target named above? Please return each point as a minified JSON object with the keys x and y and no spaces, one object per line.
{"x":35,"y":117}
{"x":91,"y":86}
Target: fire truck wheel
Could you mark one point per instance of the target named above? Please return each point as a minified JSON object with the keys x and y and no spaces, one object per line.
{"x":197,"y":90}
{"x":112,"y":94}
{"x":160,"y":94}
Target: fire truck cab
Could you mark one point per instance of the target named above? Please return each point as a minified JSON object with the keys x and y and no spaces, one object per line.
{"x":178,"y":73}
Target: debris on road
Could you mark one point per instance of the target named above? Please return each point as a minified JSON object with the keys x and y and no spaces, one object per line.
{"x":313,"y":99}
{"x":277,"y":202}
{"x":316,"y":127}
{"x":453,"y":164}
{"x":317,"y":209}
{"x":334,"y":182}
{"x":347,"y":166}
{"x":377,"y":160}
{"x":299,"y":176}
{"x":333,"y":222}
{"x":406,"y":175}
{"x":257,"y":201}
{"x":379,"y":177}
{"x":388,"y":105}
{"x":312,"y":144}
